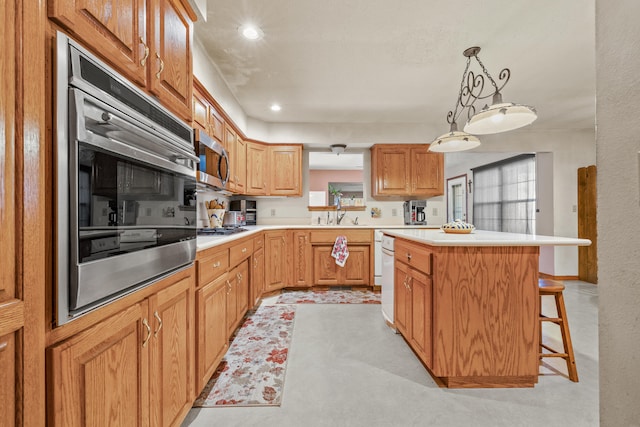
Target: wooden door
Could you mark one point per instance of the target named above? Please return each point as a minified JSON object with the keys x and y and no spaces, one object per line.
{"x":402,"y":303}
{"x":211,"y":329}
{"x":242,"y":284}
{"x":427,"y":172}
{"x":356,"y":269}
{"x":588,"y":224}
{"x":116,"y":29}
{"x":100,"y":376}
{"x":216,"y":125}
{"x":232,"y":301}
{"x":256,"y":169}
{"x":285,"y":170}
{"x":275,"y":269}
{"x":391,"y":171}
{"x":302,"y":259}
{"x":257,"y":277}
{"x":241,"y":165}
{"x":419,"y":286}
{"x":230,"y":138}
{"x":325,"y":269}
{"x":171,"y":316}
{"x":11,"y":307}
{"x":170,"y":64}
{"x":200,"y":109}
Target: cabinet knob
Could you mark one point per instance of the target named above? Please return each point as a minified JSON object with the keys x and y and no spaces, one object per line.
{"x":216,"y":264}
{"x":409,"y":256}
{"x":3,"y":346}
{"x":244,"y":250}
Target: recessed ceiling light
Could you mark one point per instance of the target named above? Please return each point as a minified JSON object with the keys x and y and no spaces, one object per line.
{"x":275,"y":107}
{"x":251,"y":32}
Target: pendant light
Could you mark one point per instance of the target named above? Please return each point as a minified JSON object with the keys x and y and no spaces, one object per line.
{"x":498,"y":117}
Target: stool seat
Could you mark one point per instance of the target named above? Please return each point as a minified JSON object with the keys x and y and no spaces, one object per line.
{"x":553,"y":288}
{"x":546,"y":285}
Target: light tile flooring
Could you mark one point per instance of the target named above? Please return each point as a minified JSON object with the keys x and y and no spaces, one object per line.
{"x":347,"y":368}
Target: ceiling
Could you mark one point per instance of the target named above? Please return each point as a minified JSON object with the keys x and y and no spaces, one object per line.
{"x":383,"y":61}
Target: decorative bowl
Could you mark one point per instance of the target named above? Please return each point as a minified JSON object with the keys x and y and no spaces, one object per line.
{"x":458,"y":227}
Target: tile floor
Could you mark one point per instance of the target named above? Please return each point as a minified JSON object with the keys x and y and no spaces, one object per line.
{"x":347,"y":368}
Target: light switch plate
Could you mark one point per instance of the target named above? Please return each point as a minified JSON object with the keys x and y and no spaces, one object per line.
{"x":273,"y":212}
{"x":394,"y":212}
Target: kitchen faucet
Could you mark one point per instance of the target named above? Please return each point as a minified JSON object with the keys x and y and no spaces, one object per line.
{"x":339,"y":217}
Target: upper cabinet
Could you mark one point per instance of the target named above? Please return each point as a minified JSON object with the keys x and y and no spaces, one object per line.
{"x":406,"y":171}
{"x":285,"y":170}
{"x":257,"y":158}
{"x":149,"y":42}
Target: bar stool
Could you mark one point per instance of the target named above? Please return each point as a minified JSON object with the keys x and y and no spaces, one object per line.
{"x":553,"y":288}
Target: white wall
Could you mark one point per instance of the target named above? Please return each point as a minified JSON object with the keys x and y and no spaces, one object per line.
{"x":618,"y":145}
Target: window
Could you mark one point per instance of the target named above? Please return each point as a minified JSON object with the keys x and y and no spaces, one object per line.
{"x":504,"y":196}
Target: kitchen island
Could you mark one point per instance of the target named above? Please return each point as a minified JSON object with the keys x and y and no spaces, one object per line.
{"x":468,"y":304}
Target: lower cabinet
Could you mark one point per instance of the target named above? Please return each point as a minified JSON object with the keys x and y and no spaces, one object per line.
{"x":276,"y":266}
{"x":8,"y":371}
{"x":356,"y":270}
{"x":212,"y":342}
{"x":134,"y":368}
{"x":256,"y":288}
{"x":237,"y":295}
{"x":302,"y":259}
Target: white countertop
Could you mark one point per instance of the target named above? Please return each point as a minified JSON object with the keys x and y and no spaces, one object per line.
{"x":483,"y":238}
{"x":209,"y":241}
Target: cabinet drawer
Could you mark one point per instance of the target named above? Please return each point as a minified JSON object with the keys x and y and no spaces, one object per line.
{"x":212,"y":266}
{"x":240,"y":251}
{"x":329,"y":236}
{"x":416,"y":255}
{"x":258,"y":242}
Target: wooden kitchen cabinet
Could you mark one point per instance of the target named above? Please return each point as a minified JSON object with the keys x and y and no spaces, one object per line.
{"x":133,"y":368}
{"x":149,"y":42}
{"x":212,"y":335}
{"x":237,"y":296}
{"x":257,"y":169}
{"x":406,"y":171}
{"x":256,"y":288}
{"x":285,"y":170}
{"x":355,"y":271}
{"x":241,"y":165}
{"x":200,"y":110}
{"x":8,"y":376}
{"x":276,"y":264}
{"x":302,"y":259}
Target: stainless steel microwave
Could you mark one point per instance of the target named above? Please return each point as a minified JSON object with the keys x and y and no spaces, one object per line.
{"x":125,"y":171}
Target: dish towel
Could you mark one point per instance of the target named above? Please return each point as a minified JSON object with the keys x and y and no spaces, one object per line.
{"x":340,"y":251}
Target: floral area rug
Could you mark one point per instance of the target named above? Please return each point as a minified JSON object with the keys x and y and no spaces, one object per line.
{"x":253,"y":370}
{"x":329,"y":297}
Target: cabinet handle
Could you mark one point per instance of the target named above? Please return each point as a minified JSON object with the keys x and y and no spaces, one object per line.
{"x":228,"y":287}
{"x":409,"y":283}
{"x":143,"y":61}
{"x":216,"y":264}
{"x":244,"y":250}
{"x":146,"y":325}
{"x":409,"y":256}
{"x":3,"y":346}
{"x":155,"y":314}
{"x":255,"y":263}
{"x":405,"y":282}
{"x":161,"y":65}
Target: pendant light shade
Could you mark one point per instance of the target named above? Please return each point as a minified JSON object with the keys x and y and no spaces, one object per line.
{"x":500,"y":117}
{"x":454,"y":141}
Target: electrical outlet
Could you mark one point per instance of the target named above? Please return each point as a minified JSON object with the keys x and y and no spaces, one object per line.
{"x":574,"y":208}
{"x":273,"y":212}
{"x":434,"y":211}
{"x":394,"y":212}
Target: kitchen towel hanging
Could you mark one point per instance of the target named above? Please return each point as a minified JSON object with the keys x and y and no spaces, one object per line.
{"x":340,"y":251}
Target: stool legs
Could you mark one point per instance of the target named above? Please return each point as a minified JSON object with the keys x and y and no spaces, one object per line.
{"x":562,"y":322}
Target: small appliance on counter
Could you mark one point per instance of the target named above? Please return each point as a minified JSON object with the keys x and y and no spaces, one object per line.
{"x":415,"y":212}
{"x":234,"y":219}
{"x":248,"y":208}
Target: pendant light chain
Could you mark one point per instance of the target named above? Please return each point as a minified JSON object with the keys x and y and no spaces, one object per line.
{"x":459,"y":101}
{"x":485,"y":71}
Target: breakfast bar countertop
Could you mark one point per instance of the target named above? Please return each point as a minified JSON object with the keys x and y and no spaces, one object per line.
{"x":483,"y":238}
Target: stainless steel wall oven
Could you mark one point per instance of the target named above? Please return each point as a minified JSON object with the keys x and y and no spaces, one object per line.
{"x":125,"y":172}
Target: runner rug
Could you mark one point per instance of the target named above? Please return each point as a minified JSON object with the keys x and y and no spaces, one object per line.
{"x":253,"y":370}
{"x":329,"y":297}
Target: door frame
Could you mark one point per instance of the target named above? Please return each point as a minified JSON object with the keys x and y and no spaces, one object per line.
{"x":460,"y":179}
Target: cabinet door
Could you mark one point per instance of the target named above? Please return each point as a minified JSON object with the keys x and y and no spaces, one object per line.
{"x":200,"y":109}
{"x":402,"y":303}
{"x":171,"y":313}
{"x":230,"y":138}
{"x":241,"y":165}
{"x":356,"y":269}
{"x":285,"y":170}
{"x":170,"y":64}
{"x":116,"y":29}
{"x":427,"y":173}
{"x":325,"y":270}
{"x":302,"y":259}
{"x":211,"y":343}
{"x":257,"y":277}
{"x":275,"y":260}
{"x":232,"y":302}
{"x":242,"y":284}
{"x":100,"y":377}
{"x":256,"y":169}
{"x":419,"y":286}
{"x":216,"y":124}
{"x":8,"y":376}
{"x":391,"y":174}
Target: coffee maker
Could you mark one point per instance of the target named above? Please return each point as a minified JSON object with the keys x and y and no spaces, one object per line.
{"x":415,"y":212}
